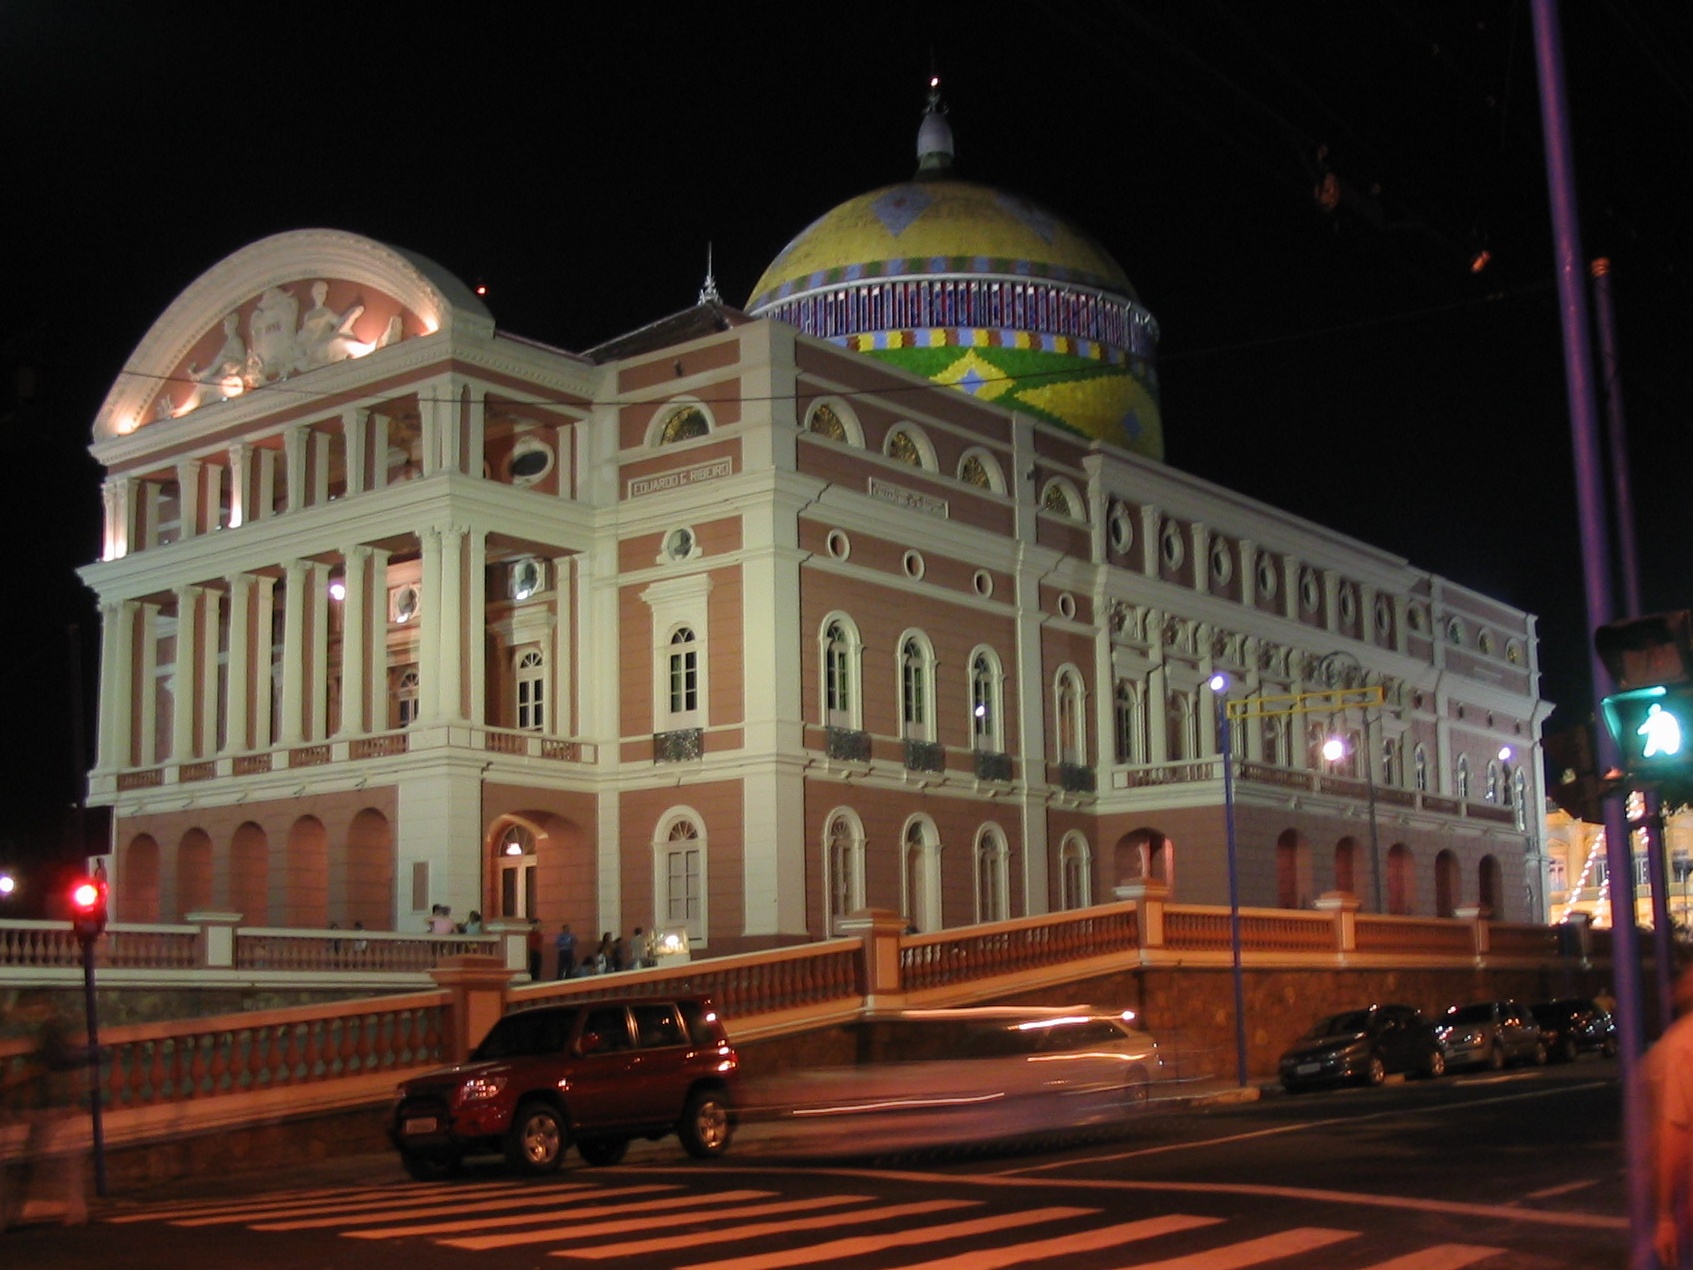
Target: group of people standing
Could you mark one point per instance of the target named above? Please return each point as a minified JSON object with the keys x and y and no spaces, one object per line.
{"x":612,"y":953}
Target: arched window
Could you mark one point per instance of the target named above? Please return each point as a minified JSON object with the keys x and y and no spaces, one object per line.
{"x":531,"y":684}
{"x":1070,"y":717}
{"x":984,"y":702}
{"x":981,"y":469}
{"x":992,"y":876}
{"x":1178,"y":727}
{"x":840,"y":647}
{"x":1126,"y":720}
{"x":684,"y":673}
{"x":916,"y":688}
{"x":1519,"y":797}
{"x":1495,"y":786}
{"x":826,"y":423}
{"x":1557,"y":872}
{"x":405,"y":696}
{"x":516,"y":862}
{"x":686,"y":424}
{"x":907,"y":444}
{"x":1075,"y":872}
{"x":1462,"y":779}
{"x":1060,"y":498}
{"x":1419,"y":761}
{"x":843,"y":866}
{"x":1389,"y":762}
{"x":679,"y":872}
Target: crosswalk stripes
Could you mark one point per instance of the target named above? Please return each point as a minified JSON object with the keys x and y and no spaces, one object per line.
{"x":597,"y":1221}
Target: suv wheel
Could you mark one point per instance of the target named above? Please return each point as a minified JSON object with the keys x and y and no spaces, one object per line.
{"x":1569,"y":1050}
{"x":1376,"y":1072}
{"x":1496,"y":1056}
{"x":602,"y":1152}
{"x":538,"y":1138}
{"x":1434,"y":1066}
{"x":705,"y":1126}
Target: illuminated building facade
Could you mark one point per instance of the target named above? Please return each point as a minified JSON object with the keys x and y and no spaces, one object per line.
{"x":877,"y":594}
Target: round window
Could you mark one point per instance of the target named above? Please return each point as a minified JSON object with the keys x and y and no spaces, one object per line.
{"x":984,"y":582}
{"x":913,"y":564}
{"x":531,"y":460}
{"x":838,"y":544}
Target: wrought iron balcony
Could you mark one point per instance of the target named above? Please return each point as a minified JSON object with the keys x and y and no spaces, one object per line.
{"x":924,"y":756}
{"x":993,"y":767}
{"x":678,"y":746}
{"x":1076,"y":779}
{"x":849,"y":745}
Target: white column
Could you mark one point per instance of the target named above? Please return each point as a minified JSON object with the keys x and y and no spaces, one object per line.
{"x":429,"y":625}
{"x":240,"y":484}
{"x":147,"y":685}
{"x":355,"y":656}
{"x":188,"y":498}
{"x":210,"y":617}
{"x":475,"y":430}
{"x":438,"y":410}
{"x":211,"y":497}
{"x":264,"y":613}
{"x":295,"y":443}
{"x":297,"y":578}
{"x":315,"y":722}
{"x":355,"y":429}
{"x":319,"y":465}
{"x":264,"y":499}
{"x":452,"y":602}
{"x":376,"y":644}
{"x":240,"y":671}
{"x":183,"y":675}
{"x":117,"y":705}
{"x":559,"y":655}
{"x":476,"y":627}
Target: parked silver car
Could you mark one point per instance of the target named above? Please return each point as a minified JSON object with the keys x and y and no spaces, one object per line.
{"x":1490,"y":1034}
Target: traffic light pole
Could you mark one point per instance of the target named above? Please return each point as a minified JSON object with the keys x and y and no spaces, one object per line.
{"x":96,"y":1125}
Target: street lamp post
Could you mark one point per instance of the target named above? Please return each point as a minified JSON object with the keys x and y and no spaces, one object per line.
{"x":1219,"y":685}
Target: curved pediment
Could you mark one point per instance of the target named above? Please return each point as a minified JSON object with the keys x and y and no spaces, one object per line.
{"x":283,"y":307}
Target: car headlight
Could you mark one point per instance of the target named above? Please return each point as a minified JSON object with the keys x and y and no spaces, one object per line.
{"x":480,"y":1089}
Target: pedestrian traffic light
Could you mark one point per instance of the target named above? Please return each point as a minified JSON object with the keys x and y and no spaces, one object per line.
{"x":1644,"y":652}
{"x":88,"y":909}
{"x":1653,"y":728}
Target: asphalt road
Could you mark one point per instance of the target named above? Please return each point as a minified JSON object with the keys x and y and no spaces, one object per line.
{"x":1520,"y":1169}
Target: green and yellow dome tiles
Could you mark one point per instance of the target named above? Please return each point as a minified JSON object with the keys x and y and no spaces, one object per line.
{"x":980,"y":290}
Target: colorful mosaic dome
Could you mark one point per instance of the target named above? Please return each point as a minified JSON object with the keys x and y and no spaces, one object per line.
{"x":981,"y":290}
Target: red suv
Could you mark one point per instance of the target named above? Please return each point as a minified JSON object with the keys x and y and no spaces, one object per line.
{"x":596,"y":1073}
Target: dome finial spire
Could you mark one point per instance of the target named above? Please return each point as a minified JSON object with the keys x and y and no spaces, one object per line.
{"x":934,"y":135}
{"x":708,"y":292}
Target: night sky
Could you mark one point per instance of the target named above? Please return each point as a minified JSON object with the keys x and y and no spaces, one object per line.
{"x":1347,"y":365}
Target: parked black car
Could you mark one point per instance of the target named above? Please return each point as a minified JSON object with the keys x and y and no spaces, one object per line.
{"x":1363,"y":1045}
{"x":1574,"y":1025}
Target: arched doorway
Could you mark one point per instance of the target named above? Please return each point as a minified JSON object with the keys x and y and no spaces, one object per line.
{"x":1145,"y":854}
{"x":1293,"y":870}
{"x":249,"y":874}
{"x":1445,"y":883}
{"x":1346,"y":865}
{"x":193,"y":873}
{"x":539,"y":865}
{"x":1401,"y":880}
{"x":921,"y":870}
{"x":368,"y":871}
{"x":137,"y":891}
{"x":308,"y":875}
{"x":1490,"y":886}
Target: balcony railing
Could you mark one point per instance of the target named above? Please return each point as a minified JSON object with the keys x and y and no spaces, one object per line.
{"x":1073,"y":778}
{"x":847,"y":745}
{"x":924,"y":756}
{"x":679,"y":745}
{"x":992,"y":766}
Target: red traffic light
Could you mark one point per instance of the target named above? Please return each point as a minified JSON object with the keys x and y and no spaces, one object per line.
{"x":88,"y":908}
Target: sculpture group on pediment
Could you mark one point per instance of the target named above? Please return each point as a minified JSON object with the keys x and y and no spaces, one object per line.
{"x":280,"y":342}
